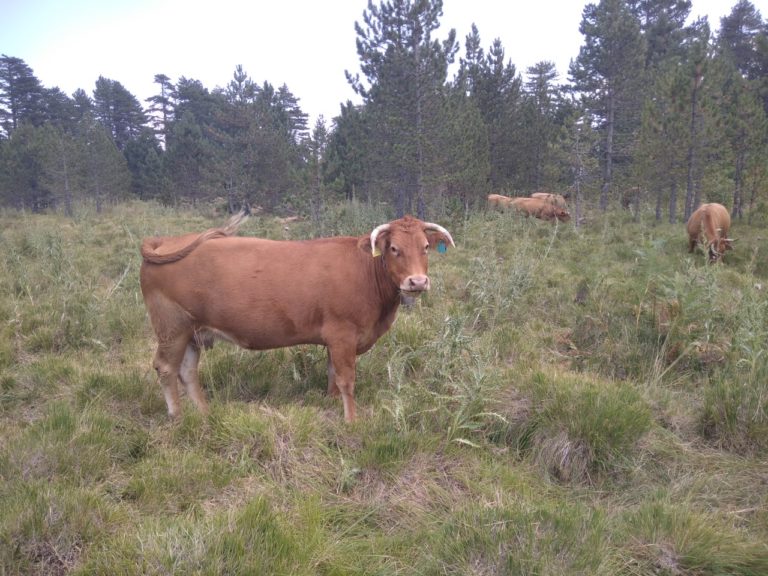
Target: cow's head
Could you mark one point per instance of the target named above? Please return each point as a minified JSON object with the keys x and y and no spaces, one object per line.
{"x":562,"y":214}
{"x":718,"y":247}
{"x":403,"y":246}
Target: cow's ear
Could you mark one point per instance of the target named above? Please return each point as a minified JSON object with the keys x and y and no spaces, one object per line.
{"x":439,"y":241}
{"x":364,"y":243}
{"x":381,"y":243}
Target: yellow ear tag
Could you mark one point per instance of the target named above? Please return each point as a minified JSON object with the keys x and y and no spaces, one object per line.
{"x":376,"y":252}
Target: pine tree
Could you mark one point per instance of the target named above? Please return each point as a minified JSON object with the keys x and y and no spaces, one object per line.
{"x":21,"y":96}
{"x":696,"y":67}
{"x":61,"y":167}
{"x":494,"y":87}
{"x":663,"y":142}
{"x":107,"y":177}
{"x":738,"y":38}
{"x":295,"y":119}
{"x":608,"y":72}
{"x":161,"y":107}
{"x":185,"y":160}
{"x":540,"y":109}
{"x":118,"y":111}
{"x":347,"y":155}
{"x":24,"y":181}
{"x":466,"y":162}
{"x":578,"y":144}
{"x":746,"y":132}
{"x":405,"y":72}
{"x":662,"y":23}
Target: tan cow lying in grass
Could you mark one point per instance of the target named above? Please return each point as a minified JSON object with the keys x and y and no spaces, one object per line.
{"x":541,"y":209}
{"x":709,"y":225}
{"x":556,"y":199}
{"x":342,"y":293}
{"x":499,"y":202}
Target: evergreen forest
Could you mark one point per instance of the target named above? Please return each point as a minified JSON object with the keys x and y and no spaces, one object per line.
{"x":655,"y":112}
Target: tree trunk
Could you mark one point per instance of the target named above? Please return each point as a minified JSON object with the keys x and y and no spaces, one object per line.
{"x":608,"y":165}
{"x":738,"y":180}
{"x":658,"y":204}
{"x":690,"y":203}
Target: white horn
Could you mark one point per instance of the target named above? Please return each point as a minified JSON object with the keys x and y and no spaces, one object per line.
{"x":376,"y":231}
{"x":438,"y":228}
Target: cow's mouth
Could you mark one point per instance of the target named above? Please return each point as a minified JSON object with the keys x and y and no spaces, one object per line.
{"x":411,"y":293}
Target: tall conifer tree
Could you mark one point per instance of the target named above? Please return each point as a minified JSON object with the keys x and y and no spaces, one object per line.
{"x":608,"y":72}
{"x":404,"y":72}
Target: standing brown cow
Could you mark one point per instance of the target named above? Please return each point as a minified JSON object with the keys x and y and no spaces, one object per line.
{"x":709,"y":225}
{"x":340,"y":292}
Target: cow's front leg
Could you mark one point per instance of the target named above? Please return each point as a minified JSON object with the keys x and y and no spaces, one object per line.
{"x":341,"y":375}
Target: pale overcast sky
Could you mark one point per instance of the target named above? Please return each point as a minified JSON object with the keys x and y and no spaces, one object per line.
{"x":305,"y":44}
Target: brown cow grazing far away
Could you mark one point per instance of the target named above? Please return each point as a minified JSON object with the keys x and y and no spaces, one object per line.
{"x":541,"y":209}
{"x":340,"y":292}
{"x":556,"y":199}
{"x":709,"y":225}
{"x":499,"y":201}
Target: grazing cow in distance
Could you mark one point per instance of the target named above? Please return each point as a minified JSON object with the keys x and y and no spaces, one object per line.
{"x":709,"y":225}
{"x":499,"y":201}
{"x":556,"y":199}
{"x":541,"y":209}
{"x":342,"y":293}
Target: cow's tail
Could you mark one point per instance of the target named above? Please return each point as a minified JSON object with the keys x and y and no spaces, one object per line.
{"x":150,"y":246}
{"x":230,"y":228}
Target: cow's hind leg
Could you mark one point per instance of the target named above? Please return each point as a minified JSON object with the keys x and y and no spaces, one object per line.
{"x":189,"y":376}
{"x":167,"y":363}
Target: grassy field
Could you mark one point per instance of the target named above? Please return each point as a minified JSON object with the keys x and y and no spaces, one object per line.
{"x":564,"y":401}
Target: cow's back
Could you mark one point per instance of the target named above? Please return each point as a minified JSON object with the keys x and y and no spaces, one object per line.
{"x":555,"y":199}
{"x":713,"y":220}
{"x":264,"y":293}
{"x":498,"y":201}
{"x":721,"y":219}
{"x":532,"y":206}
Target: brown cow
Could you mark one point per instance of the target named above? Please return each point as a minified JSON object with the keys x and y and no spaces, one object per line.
{"x":263,"y":294}
{"x":709,"y":225}
{"x":556,"y":199}
{"x":541,"y":209}
{"x":499,"y":201}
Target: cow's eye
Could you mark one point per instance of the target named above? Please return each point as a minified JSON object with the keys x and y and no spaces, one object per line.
{"x":426,"y":247}
{"x":394,"y":250}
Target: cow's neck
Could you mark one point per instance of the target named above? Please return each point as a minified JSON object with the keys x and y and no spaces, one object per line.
{"x":386,"y":290}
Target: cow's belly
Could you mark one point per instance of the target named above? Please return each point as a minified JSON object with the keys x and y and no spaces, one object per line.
{"x":276,"y":331}
{"x":263,"y":333}
{"x":253,"y":341}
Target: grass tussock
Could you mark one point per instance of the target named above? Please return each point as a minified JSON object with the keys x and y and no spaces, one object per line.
{"x":564,"y":401}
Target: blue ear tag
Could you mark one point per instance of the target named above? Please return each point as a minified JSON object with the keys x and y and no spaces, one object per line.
{"x":442,"y":248}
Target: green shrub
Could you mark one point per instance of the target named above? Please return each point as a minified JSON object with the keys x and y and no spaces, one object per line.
{"x":574,"y":428}
{"x":672,"y":539}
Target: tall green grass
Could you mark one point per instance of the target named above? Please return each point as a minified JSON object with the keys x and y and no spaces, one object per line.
{"x":564,"y":401}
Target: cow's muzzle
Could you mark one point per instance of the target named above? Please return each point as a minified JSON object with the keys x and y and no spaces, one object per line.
{"x":414,"y":285}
